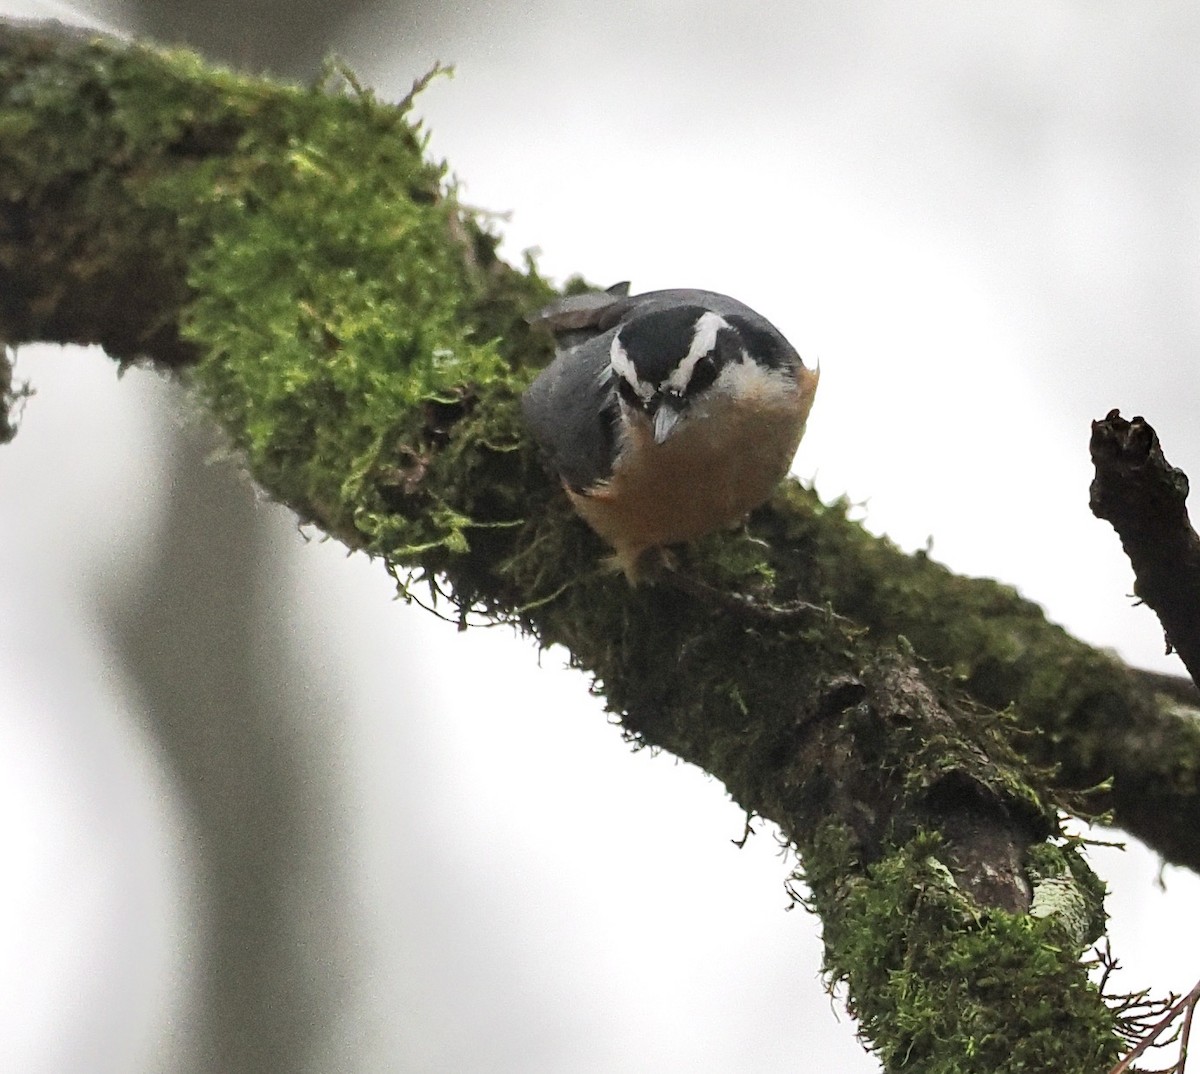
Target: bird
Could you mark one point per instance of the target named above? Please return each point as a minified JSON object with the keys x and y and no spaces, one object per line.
{"x":666,"y":415}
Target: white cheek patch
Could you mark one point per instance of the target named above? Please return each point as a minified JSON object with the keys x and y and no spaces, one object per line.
{"x":621,"y":365}
{"x":704,"y":339}
{"x":749,"y":380}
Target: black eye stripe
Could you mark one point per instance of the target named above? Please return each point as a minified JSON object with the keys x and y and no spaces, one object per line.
{"x":703,"y":375}
{"x":655,"y":344}
{"x":763,"y":344}
{"x":627,"y":392}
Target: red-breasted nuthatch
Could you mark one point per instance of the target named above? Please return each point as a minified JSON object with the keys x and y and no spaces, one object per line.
{"x":667,"y":415}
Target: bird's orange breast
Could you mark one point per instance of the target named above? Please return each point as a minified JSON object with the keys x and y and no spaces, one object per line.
{"x":713,"y":469}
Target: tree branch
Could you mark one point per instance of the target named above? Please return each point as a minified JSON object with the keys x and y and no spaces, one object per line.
{"x":291,"y":255}
{"x":1144,"y":497}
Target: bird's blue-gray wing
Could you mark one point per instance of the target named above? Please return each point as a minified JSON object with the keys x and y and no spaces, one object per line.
{"x":578,"y":318}
{"x":571,"y":410}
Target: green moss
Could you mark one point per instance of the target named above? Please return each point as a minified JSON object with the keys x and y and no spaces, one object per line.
{"x":341,"y":303}
{"x":355,"y":329}
{"x":328,"y":304}
{"x":939,"y":986}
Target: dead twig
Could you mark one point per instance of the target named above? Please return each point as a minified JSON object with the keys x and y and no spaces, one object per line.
{"x":1186,"y":1007}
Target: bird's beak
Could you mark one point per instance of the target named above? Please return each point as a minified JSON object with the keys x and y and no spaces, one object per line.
{"x":665,"y":420}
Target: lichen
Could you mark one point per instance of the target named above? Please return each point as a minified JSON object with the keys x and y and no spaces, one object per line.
{"x":1066,"y":892}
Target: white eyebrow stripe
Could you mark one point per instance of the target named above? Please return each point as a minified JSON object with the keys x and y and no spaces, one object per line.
{"x":618,"y":360}
{"x":704,"y":338}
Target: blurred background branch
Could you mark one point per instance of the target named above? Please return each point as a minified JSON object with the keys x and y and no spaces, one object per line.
{"x":200,"y":642}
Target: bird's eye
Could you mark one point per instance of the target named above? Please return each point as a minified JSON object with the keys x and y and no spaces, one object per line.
{"x":703,"y":375}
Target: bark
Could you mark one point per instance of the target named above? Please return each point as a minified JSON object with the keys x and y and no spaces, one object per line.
{"x":291,"y":255}
{"x":1144,"y":498}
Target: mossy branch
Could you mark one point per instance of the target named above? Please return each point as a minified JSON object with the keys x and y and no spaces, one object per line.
{"x":294,"y":257}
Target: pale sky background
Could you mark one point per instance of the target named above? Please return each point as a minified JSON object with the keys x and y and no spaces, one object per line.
{"x":982,"y":223}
